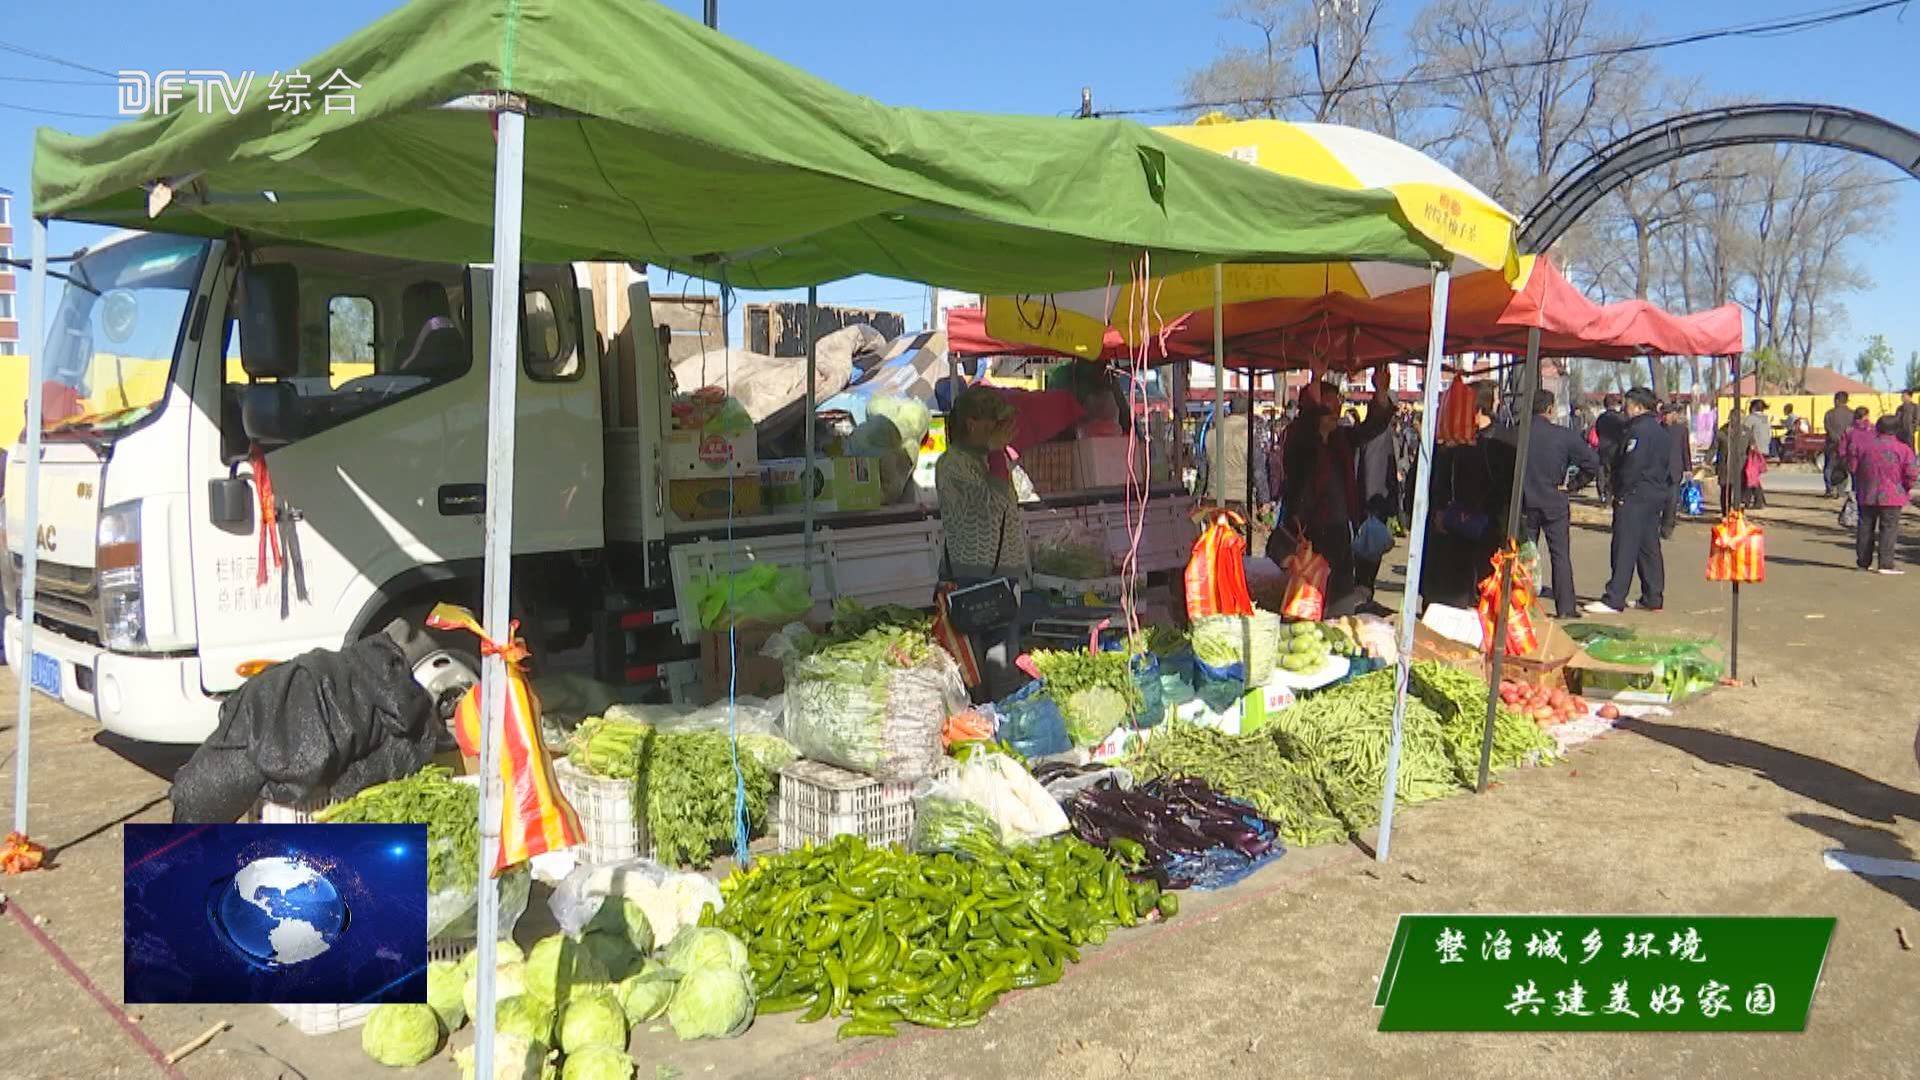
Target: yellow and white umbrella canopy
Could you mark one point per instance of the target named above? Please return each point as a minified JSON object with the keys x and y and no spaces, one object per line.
{"x":1475,"y":230}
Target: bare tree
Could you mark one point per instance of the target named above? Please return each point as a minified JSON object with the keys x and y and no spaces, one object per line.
{"x":1311,"y":60}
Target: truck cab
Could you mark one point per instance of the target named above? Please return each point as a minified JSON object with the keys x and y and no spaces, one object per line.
{"x":253,"y":451}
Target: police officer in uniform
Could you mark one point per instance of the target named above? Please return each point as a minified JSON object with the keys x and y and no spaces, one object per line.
{"x":1643,"y":480}
{"x":1557,"y":460}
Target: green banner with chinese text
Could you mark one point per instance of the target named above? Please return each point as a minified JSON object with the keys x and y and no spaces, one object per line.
{"x":1602,"y":973}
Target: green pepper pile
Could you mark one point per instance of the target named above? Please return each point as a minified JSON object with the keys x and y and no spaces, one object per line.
{"x":883,"y":936}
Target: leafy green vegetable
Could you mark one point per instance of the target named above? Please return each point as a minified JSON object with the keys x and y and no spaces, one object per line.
{"x":597,"y":1063}
{"x":400,"y":1036}
{"x":594,"y":1019}
{"x":1251,"y":641}
{"x":622,"y":916}
{"x":559,"y":968}
{"x":957,"y":825}
{"x":1096,"y":692}
{"x":524,"y":1015}
{"x":696,"y":948}
{"x":443,"y":994}
{"x":449,"y":809}
{"x":515,"y":1057}
{"x":509,"y":979}
{"x":711,"y":1003}
{"x":1250,"y":768}
{"x":645,"y":994}
{"x":614,"y":953}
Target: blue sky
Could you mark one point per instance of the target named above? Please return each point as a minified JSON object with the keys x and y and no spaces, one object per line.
{"x":990,"y":55}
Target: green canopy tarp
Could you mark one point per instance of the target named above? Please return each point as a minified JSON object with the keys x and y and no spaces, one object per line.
{"x":655,"y":139}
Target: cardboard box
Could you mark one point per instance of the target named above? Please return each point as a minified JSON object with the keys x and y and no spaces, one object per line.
{"x":758,"y":676}
{"x":706,"y":500}
{"x":839,"y":483}
{"x":693,"y":455}
{"x":1545,"y":666}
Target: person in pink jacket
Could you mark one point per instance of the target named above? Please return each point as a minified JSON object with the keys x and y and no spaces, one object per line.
{"x":1884,"y":472}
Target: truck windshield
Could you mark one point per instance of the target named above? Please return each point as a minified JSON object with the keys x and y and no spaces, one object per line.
{"x":115,"y":332}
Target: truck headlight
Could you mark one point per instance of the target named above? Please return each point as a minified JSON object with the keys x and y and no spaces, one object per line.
{"x":123,"y":623}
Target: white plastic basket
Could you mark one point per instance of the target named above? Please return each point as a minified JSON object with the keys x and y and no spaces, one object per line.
{"x":325,"y":1019}
{"x":819,"y":802}
{"x":605,"y":807}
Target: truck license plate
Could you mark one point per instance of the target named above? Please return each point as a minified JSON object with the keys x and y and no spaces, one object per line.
{"x":46,"y":674}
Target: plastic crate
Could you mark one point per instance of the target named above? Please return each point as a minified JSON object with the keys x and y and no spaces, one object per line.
{"x":1049,"y":467}
{"x":819,"y":802}
{"x":613,"y":831}
{"x":325,"y":1019}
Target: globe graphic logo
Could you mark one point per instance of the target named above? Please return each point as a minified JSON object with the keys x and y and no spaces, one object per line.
{"x":278,"y":912}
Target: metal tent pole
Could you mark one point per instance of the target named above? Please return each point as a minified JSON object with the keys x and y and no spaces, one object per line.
{"x":30,"y":561}
{"x":1738,"y":471}
{"x":1219,"y":387}
{"x":503,"y":357}
{"x":813,"y":361}
{"x":1416,"y":550}
{"x":1530,"y":383}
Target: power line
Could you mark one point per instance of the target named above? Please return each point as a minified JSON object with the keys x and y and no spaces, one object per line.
{"x":51,"y":59}
{"x":1792,"y":24}
{"x":54,"y":82}
{"x":57,"y":112}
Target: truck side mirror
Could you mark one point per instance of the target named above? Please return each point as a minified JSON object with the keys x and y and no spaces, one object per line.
{"x":270,"y":414}
{"x":270,"y":321}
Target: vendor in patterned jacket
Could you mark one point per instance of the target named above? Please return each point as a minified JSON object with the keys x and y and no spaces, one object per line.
{"x":985,"y":532}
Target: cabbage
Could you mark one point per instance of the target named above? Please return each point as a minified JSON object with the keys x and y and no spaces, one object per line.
{"x":444,"y":994}
{"x":711,"y":1003}
{"x":644,"y":995}
{"x":621,"y":916}
{"x":560,"y":967}
{"x":597,"y":1063}
{"x":524,"y":1014}
{"x":400,"y":1035}
{"x":592,"y":1020}
{"x":504,"y":952}
{"x":613,"y":952}
{"x":515,"y":1057}
{"x":509,"y":979}
{"x":698,"y":947}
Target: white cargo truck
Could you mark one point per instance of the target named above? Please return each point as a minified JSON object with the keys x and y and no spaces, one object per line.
{"x":176,"y":365}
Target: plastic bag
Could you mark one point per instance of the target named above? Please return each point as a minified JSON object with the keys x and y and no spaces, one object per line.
{"x":873,"y":717}
{"x":945,"y":820}
{"x":452,"y":913}
{"x":1015,"y":805}
{"x":763,"y":594}
{"x":1459,"y":411}
{"x":671,"y":899}
{"x":1682,"y":665}
{"x":756,"y":721}
{"x":1074,"y":551}
{"x":1373,"y":540}
{"x":1737,"y":550}
{"x":1216,"y":577}
{"x":1307,"y":575}
{"x":1031,"y":723}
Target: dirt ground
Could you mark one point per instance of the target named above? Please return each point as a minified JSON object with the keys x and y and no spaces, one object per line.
{"x":1725,"y":808}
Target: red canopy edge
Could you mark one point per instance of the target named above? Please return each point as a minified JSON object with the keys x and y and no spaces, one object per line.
{"x":1484,"y":315}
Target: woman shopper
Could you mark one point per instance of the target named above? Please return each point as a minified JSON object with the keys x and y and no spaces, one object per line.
{"x":1471,"y":487}
{"x":1884,"y":472}
{"x":985,"y":533}
{"x":1322,"y":498}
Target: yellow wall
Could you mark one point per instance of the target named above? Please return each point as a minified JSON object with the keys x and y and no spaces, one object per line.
{"x":1813,"y":406}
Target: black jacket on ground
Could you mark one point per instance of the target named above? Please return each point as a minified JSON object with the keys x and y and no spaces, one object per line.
{"x":1643,"y":465}
{"x":324,"y":723}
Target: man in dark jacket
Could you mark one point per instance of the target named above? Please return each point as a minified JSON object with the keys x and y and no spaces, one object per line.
{"x":1643,"y":480}
{"x":1557,"y":460}
{"x":1837,"y":421}
{"x":1380,"y":491}
{"x":1607,"y":427}
{"x":1907,"y":417}
{"x":1681,"y":443}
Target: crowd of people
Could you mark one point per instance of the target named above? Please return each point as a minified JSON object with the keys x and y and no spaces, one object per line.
{"x":1340,"y":478}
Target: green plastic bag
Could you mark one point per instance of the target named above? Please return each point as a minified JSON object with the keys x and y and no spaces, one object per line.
{"x":763,"y":593}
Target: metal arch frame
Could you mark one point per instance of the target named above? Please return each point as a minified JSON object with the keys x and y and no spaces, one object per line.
{"x":1713,"y":129}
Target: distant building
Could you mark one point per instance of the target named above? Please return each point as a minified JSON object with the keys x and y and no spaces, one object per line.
{"x":9,"y":318}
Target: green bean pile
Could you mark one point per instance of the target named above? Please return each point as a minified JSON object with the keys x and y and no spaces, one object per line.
{"x":1461,"y":701}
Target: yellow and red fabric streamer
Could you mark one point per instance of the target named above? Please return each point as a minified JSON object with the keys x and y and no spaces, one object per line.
{"x":1307,"y":574}
{"x":1217,"y":572}
{"x":1459,"y":414}
{"x":1523,"y":639}
{"x":536,"y":817}
{"x":1737,"y":551}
